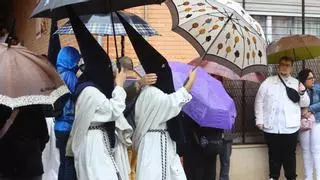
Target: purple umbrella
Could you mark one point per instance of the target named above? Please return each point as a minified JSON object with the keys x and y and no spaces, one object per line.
{"x":211,"y":106}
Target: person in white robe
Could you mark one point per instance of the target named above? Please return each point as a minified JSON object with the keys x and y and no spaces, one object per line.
{"x":157,"y":157}
{"x":89,"y":141}
{"x":50,"y":154}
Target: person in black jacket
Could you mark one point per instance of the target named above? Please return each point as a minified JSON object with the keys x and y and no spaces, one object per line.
{"x":21,"y":147}
{"x":204,"y":144}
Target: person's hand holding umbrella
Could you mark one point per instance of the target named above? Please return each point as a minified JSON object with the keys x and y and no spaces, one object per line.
{"x":148,"y":79}
{"x":120,"y":77}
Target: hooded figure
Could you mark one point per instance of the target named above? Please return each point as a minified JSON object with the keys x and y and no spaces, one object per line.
{"x":100,"y":132}
{"x":67,"y":66}
{"x":157,"y":129}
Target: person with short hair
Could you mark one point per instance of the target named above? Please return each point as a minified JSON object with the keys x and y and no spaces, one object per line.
{"x":277,"y":112}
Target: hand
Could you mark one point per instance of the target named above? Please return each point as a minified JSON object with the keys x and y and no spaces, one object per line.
{"x":309,"y":114}
{"x":260,"y":126}
{"x":301,"y":87}
{"x":120,"y":77}
{"x":148,"y":79}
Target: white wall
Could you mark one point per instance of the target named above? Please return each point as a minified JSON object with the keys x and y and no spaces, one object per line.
{"x":282,"y":7}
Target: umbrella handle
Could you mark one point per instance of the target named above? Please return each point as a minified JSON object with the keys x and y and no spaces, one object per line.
{"x":193,"y":69}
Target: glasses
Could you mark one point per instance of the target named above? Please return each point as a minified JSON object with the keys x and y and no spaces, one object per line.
{"x":310,"y":78}
{"x":285,"y":65}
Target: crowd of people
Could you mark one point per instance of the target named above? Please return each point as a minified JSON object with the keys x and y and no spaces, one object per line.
{"x":95,"y":133}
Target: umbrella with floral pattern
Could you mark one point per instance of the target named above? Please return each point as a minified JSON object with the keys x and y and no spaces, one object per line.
{"x":221,"y":31}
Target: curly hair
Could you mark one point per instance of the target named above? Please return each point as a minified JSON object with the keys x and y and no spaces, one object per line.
{"x":303,"y":75}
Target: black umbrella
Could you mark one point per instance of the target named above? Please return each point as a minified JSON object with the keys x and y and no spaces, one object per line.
{"x":56,"y":8}
{"x":153,"y":62}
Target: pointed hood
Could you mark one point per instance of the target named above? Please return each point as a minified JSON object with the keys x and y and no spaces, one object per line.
{"x":98,"y":67}
{"x":54,"y":43}
{"x":151,"y":60}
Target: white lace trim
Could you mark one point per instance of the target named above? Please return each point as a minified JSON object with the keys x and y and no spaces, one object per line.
{"x":34,"y":99}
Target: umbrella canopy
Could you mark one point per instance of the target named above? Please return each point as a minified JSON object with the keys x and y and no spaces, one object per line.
{"x":217,"y":69}
{"x":299,"y":47}
{"x":27,"y":79}
{"x":56,"y":8}
{"x":101,"y":24}
{"x":211,"y":106}
{"x":221,"y":31}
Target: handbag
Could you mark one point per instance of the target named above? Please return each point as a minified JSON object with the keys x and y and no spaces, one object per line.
{"x":307,"y":122}
{"x":291,"y":93}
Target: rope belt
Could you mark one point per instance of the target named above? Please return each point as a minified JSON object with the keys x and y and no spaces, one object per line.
{"x":106,"y":144}
{"x":163,"y":138}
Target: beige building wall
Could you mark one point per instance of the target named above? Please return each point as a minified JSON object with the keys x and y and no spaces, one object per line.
{"x":250,"y":162}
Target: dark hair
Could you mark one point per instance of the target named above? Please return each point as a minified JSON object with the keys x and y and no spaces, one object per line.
{"x":303,"y":75}
{"x":286,"y":58}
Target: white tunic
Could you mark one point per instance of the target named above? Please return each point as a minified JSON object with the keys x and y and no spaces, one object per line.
{"x":157,"y":157}
{"x":92,"y":158}
{"x":50,"y":154}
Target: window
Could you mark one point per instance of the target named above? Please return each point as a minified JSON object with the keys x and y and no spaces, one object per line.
{"x":280,"y":26}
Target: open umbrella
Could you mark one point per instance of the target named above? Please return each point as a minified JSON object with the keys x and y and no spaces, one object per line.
{"x":221,"y":31}
{"x":101,"y":25}
{"x":211,"y":106}
{"x":56,"y":8}
{"x":27,"y":79}
{"x":299,"y":47}
{"x":217,"y":69}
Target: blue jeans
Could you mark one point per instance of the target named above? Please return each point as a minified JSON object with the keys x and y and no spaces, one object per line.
{"x":66,"y":170}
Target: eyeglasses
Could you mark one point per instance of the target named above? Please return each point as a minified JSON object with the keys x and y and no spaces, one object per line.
{"x":285,"y":65}
{"x":310,"y":78}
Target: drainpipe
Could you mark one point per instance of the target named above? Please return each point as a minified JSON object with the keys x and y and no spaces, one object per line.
{"x":303,"y":26}
{"x":243,"y":100}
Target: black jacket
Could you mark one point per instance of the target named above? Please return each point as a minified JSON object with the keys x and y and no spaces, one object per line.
{"x":21,"y":147}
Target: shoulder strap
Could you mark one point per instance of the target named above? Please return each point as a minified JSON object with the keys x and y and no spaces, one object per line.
{"x":282,"y":80}
{"x":8,"y":123}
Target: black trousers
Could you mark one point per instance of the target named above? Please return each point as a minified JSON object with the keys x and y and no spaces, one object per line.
{"x":67,"y":170}
{"x":201,"y":165}
{"x":282,"y":152}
